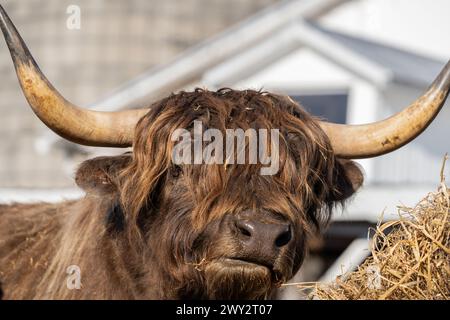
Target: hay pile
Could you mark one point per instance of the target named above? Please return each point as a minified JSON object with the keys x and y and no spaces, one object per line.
{"x":410,"y":262}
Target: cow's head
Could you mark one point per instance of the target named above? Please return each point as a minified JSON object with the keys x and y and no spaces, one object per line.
{"x":224,"y":230}
{"x":220,"y":229}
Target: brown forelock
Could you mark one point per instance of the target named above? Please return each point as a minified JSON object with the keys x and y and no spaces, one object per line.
{"x":303,"y":182}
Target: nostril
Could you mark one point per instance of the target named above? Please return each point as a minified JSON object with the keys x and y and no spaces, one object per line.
{"x":245,"y":232}
{"x":284,"y":238}
{"x":244,"y":229}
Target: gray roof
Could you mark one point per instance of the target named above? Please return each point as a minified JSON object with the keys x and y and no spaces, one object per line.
{"x":407,"y":67}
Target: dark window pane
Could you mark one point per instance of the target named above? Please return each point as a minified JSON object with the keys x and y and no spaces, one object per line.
{"x":331,"y":107}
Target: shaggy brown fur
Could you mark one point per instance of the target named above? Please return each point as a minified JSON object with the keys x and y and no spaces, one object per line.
{"x":150,"y":229}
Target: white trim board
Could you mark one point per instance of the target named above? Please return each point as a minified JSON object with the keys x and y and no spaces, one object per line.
{"x":20,"y":195}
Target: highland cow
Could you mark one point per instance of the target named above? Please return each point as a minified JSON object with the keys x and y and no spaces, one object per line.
{"x":149,"y":228}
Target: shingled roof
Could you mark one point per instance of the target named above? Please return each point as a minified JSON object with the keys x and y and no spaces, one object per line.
{"x":406,"y":67}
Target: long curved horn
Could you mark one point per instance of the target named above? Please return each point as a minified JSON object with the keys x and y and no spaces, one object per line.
{"x":378,"y":138}
{"x":82,"y":126}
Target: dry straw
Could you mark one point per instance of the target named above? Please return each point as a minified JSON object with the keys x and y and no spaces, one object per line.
{"x":410,"y":256}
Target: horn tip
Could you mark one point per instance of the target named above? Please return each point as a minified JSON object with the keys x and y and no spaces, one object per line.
{"x":6,"y":25}
{"x":442,"y":82}
{"x":4,"y":19}
{"x":17,"y":47}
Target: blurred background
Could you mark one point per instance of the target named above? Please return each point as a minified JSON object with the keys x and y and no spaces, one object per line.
{"x":348,"y":61}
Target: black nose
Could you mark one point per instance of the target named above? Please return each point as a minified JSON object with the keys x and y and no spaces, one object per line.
{"x":262,"y":238}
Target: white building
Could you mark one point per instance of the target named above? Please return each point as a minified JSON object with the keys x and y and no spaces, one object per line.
{"x":383,"y":57}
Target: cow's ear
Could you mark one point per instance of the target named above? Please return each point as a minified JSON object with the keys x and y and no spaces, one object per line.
{"x":348,"y":177}
{"x":99,"y":175}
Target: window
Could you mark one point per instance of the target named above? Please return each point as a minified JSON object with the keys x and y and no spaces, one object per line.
{"x":330,"y":107}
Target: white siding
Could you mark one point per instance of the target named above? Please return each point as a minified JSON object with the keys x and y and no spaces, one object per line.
{"x":419,"y":161}
{"x":302,"y":70}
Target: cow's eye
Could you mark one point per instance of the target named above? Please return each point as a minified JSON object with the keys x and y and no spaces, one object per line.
{"x":176,"y":171}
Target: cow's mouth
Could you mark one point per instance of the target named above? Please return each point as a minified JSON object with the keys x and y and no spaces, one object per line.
{"x":276,"y":275}
{"x":233,"y":278}
{"x":252,"y":264}
{"x":248,"y":262}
